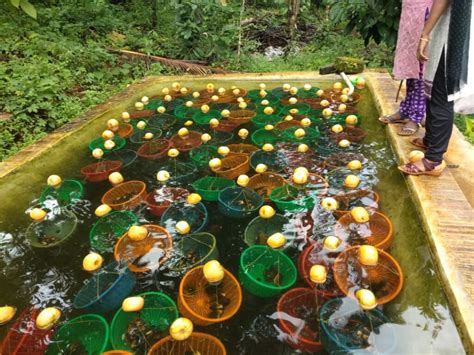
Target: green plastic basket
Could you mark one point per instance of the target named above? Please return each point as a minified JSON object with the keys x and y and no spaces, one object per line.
{"x":209,"y":187}
{"x":126,"y":156}
{"x":312,"y":135}
{"x":288,"y":198}
{"x":68,"y":192}
{"x":262,"y":136}
{"x":259,"y":229}
{"x":88,"y":333}
{"x":261,"y":120}
{"x":265,"y":272}
{"x":191,"y":251}
{"x":99,"y":143}
{"x":202,"y":154}
{"x":162,"y":121}
{"x":305,"y":94}
{"x":204,"y":118}
{"x":303,"y":109}
{"x":158,"y":312}
{"x":107,"y":230}
{"x":153,"y":104}
{"x":185,"y":113}
{"x":138,"y":135}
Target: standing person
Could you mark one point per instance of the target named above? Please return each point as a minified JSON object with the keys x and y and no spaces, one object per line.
{"x":407,"y":67}
{"x":449,"y":77}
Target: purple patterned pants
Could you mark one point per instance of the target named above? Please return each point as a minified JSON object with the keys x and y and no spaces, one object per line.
{"x":414,"y":105}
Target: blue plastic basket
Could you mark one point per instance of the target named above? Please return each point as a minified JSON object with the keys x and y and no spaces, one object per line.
{"x":106,"y":289}
{"x":275,"y":161}
{"x":239,"y":202}
{"x":196,"y":215}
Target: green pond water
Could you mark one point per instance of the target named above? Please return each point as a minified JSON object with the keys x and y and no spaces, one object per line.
{"x":420,"y":315}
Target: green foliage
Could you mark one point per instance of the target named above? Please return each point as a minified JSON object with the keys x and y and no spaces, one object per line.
{"x":25,"y":6}
{"x":373,"y":19}
{"x":465,"y":123}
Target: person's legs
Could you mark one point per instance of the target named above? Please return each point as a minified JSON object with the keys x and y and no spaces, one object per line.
{"x":413,"y":107}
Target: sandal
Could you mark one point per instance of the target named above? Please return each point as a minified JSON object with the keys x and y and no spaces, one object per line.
{"x":408,"y":129}
{"x":429,"y":168}
{"x":419,"y":143}
{"x":389,"y":119}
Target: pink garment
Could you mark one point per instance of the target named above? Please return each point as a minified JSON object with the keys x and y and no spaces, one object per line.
{"x":412,"y":20}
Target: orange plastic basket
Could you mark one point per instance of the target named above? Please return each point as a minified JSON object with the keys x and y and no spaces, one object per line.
{"x":197,"y":343}
{"x":287,"y":124}
{"x":125,"y":130}
{"x":101,"y":170}
{"x":352,"y":134}
{"x":142,"y":114}
{"x":147,"y":254}
{"x":385,"y":279}
{"x":154,"y":149}
{"x":234,"y":166}
{"x":366,"y":198}
{"x":378,"y":231}
{"x":125,"y":196}
{"x":185,"y":144}
{"x":241,"y":116}
{"x":241,"y":148}
{"x":194,"y":300}
{"x":264,"y":183}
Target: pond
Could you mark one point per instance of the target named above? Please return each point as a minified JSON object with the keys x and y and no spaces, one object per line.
{"x":416,"y":321}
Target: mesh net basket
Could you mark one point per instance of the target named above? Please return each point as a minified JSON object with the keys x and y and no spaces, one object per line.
{"x":162,"y":198}
{"x":261,"y":120}
{"x":234,"y":166}
{"x":201,"y":155}
{"x":346,"y":328}
{"x":265,"y":272}
{"x":108,"y":229}
{"x":221,"y":138}
{"x":301,"y":109}
{"x":88,"y":333}
{"x":185,"y":113}
{"x":340,"y":159}
{"x":142,"y":114}
{"x":385,"y":279}
{"x":106,"y":289}
{"x":241,"y":148}
{"x":99,"y":143}
{"x":259,"y":229}
{"x":155,"y":317}
{"x":352,"y":134}
{"x":53,"y":231}
{"x":288,"y":198}
{"x":185,"y":144}
{"x":153,"y":104}
{"x":265,"y":183}
{"x":196,"y":216}
{"x":209,"y":187}
{"x":191,"y":251}
{"x":262,"y":136}
{"x":204,"y":303}
{"x":303,"y":93}
{"x":240,"y":117}
{"x":275,"y":161}
{"x":354,"y":99}
{"x":126,"y":156}
{"x":125,"y":130}
{"x":100,"y":171}
{"x":163,"y":121}
{"x":239,"y":202}
{"x":226,"y":126}
{"x":280,"y":93}
{"x":360,"y":198}
{"x":317,"y":254}
{"x":283,"y":125}
{"x":138,"y":137}
{"x":126,"y":195}
{"x":155,"y":149}
{"x":181,"y":172}
{"x":311,"y":135}
{"x":197,"y":343}
{"x":298,"y":316}
{"x":67,"y":193}
{"x":309,"y":160}
{"x":147,"y":254}
{"x":316,"y":185}
{"x":203,"y":119}
{"x":24,"y":338}
{"x":377,"y":232}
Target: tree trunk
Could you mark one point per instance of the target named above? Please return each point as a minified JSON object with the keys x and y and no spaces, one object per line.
{"x":154,"y":15}
{"x":293,"y":12}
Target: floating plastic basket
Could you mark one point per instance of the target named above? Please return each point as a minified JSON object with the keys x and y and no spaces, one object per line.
{"x":302,"y":109}
{"x":259,"y":229}
{"x":339,"y":159}
{"x":126,"y":195}
{"x":24,"y":338}
{"x":205,"y":303}
{"x":153,"y":104}
{"x":290,"y":199}
{"x":265,"y":272}
{"x":311,"y":136}
{"x":204,"y":118}
{"x":352,"y":134}
{"x":163,"y":121}
{"x":385,"y":279}
{"x":99,"y":143}
{"x":108,"y":229}
{"x":262,"y":136}
{"x":347,"y":329}
{"x":125,"y":130}
{"x":162,"y":198}
{"x":354,"y":99}
{"x":100,"y":171}
{"x":209,"y":187}
{"x":156,"y":316}
{"x":196,"y":216}
{"x":265,"y":183}
{"x":197,"y":343}
{"x":377,"y":232}
{"x":126,"y":156}
{"x":191,"y":251}
{"x":221,"y":138}
{"x":185,"y":144}
{"x":234,"y":166}
{"x":239,"y":202}
{"x":181,"y":172}
{"x":53,"y":231}
{"x":185,"y":113}
{"x":261,"y":120}
{"x":142,"y":114}
{"x":226,"y":126}
{"x":201,"y":155}
{"x":106,"y":289}
{"x":280,"y":93}
{"x":316,"y":185}
{"x":154,"y":149}
{"x":360,"y":198}
{"x":283,"y":125}
{"x":88,"y":333}
{"x":241,"y":148}
{"x":147,"y":254}
{"x":275,"y":161}
{"x":298,"y":317}
{"x":303,"y":93}
{"x":241,"y":116}
{"x":138,"y":137}
{"x":68,"y":192}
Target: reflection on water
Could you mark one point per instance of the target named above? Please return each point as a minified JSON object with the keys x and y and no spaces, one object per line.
{"x":419,"y":316}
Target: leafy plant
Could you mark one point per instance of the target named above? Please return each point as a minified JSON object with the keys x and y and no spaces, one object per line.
{"x":25,"y":6}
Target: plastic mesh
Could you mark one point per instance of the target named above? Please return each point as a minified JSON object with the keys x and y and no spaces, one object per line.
{"x":161,"y":198}
{"x":209,"y":187}
{"x":239,"y":202}
{"x":259,"y":229}
{"x":196,"y":216}
{"x":126,"y":195}
{"x":154,"y":149}
{"x":197,"y":342}
{"x":100,"y":171}
{"x":53,"y":231}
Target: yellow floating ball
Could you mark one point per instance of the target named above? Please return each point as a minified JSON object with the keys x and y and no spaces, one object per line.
{"x":276,"y":241}
{"x":189,"y":104}
{"x":137,"y":233}
{"x":214,"y":98}
{"x":163,"y":176}
{"x":102,"y":210}
{"x":173,"y":152}
{"x":196,"y":94}
{"x":184,"y":91}
{"x":337,"y":87}
{"x":329,"y":203}
{"x":416,"y":155}
{"x":354,"y":165}
{"x":113,"y":124}
{"x":300,"y":133}
{"x":97,"y":153}
{"x":188,"y":123}
{"x":161,"y":109}
{"x":182,"y":227}
{"x":225,"y":113}
{"x":327,"y":112}
{"x":107,"y":134}
{"x":54,"y":180}
{"x":116,"y":178}
{"x":268,"y":110}
{"x":286,"y":87}
{"x":141,"y":125}
{"x":344,"y":143}
{"x":92,"y":262}
{"x":214,"y":122}
{"x":306,"y":122}
{"x":38,"y":214}
{"x":267,"y":147}
{"x":344,"y":98}
{"x":307,"y":87}
{"x":261,"y":168}
{"x":360,"y":83}
{"x":224,"y":151}
{"x":210,"y":87}
{"x":300,"y":177}
{"x":183,"y":132}
{"x":303,"y":148}
{"x":176,"y":86}
{"x":243,"y":133}
{"x":243,"y":180}
{"x":288,"y":118}
{"x":293,"y":90}
{"x":47,"y":318}
{"x":320,"y":93}
{"x":236,"y":92}
{"x":265,"y":102}
{"x":342,"y":108}
{"x":6,"y":314}
{"x":139,"y":106}
{"x":293,"y":100}
{"x":263,"y":93}
{"x":213,"y":271}
{"x":366,"y":299}
{"x":215,"y":163}
{"x":324,"y":103}
{"x":147,"y":136}
{"x":331,"y":242}
{"x":165,"y":91}
{"x":194,"y":199}
{"x":351,"y":181}
{"x":318,"y":274}
{"x":125,"y":116}
{"x":221,"y":91}
{"x":133,"y":304}
{"x":368,"y":255}
{"x":206,"y":137}
{"x":262,"y":86}
{"x":351,"y":120}
{"x":181,"y":329}
{"x":360,"y":215}
{"x":337,"y":128}
{"x":168,"y":98}
{"x":242,"y":105}
{"x":266,"y":212}
{"x":346,"y":91}
{"x":269,"y":127}
{"x":145,"y":100}
{"x":205,"y":108}
{"x":109,"y":144}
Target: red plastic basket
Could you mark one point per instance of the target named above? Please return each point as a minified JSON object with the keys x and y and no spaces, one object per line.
{"x":154,"y":149}
{"x":142,"y":114}
{"x":191,"y":141}
{"x":125,"y":130}
{"x":167,"y":195}
{"x":100,"y":171}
